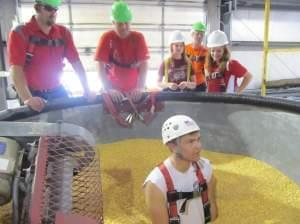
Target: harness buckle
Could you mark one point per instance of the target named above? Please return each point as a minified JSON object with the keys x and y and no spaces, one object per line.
{"x":196,"y":194}
{"x":172,"y":195}
{"x":174,"y":220}
{"x":214,"y":75}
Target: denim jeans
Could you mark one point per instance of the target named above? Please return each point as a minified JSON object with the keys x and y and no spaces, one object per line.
{"x":59,"y":92}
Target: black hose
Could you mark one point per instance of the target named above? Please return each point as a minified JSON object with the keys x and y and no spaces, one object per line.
{"x":15,"y":198}
{"x":259,"y":101}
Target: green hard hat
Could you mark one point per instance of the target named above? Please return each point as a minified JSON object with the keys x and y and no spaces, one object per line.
{"x":199,"y":26}
{"x":120,"y":12}
{"x":53,"y":3}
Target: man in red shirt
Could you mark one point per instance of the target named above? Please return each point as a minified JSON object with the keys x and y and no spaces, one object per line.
{"x":36,"y":52}
{"x":122,"y":56}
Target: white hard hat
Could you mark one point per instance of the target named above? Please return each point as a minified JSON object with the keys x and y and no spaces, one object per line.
{"x":216,"y":39}
{"x":177,"y":126}
{"x":176,"y":37}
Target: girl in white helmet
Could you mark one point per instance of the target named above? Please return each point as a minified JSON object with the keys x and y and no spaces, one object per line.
{"x":221,"y":72}
{"x":176,"y":73}
{"x":182,"y":189}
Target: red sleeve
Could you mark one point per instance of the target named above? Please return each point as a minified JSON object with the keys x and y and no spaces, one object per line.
{"x":143,"y":52}
{"x":71,"y":52}
{"x":236,"y":69}
{"x":16,"y":49}
{"x":103,"y":49}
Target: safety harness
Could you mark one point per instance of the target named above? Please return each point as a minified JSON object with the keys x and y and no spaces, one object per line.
{"x":215,"y":75}
{"x":112,"y":60}
{"x":173,"y":195}
{"x":34,"y":41}
{"x":219,"y":75}
{"x":168,"y":62}
{"x":143,"y":111}
{"x":196,"y":58}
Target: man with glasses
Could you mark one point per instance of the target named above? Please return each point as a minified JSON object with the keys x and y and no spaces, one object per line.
{"x":122,"y":56}
{"x":36,"y":52}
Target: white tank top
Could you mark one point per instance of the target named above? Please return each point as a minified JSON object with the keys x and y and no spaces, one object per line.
{"x":184,"y":182}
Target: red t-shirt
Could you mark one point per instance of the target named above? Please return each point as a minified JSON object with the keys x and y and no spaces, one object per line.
{"x":129,"y":50}
{"x":234,"y":68}
{"x":46,"y":66}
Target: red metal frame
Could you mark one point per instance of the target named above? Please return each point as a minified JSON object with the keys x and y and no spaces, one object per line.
{"x":39,"y":182}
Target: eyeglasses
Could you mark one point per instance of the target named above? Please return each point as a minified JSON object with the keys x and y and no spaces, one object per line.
{"x":49,"y":8}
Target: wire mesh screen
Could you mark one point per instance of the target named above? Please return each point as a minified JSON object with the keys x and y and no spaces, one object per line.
{"x":67,"y":181}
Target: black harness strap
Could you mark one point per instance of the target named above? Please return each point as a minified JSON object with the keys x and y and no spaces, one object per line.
{"x":173,"y":195}
{"x":112,"y":60}
{"x":115,"y":62}
{"x":46,"y":42}
{"x":196,"y":58}
{"x":37,"y":41}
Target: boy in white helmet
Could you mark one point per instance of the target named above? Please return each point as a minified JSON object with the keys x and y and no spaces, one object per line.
{"x":181,"y":190}
{"x":176,"y":72}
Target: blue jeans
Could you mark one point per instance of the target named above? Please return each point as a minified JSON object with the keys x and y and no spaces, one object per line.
{"x":59,"y":92}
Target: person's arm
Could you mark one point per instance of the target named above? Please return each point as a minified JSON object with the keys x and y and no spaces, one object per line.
{"x":156,"y":204}
{"x":116,"y":95}
{"x":102,"y":75}
{"x":165,"y":85}
{"x":18,"y":77}
{"x":206,"y":74}
{"x":137,"y":93}
{"x":143,"y":68}
{"x":212,"y":194}
{"x":161,"y":82}
{"x":20,"y":83}
{"x":191,"y":84}
{"x":246,"y":80}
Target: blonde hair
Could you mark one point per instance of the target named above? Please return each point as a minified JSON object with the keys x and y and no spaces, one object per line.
{"x":210,"y":63}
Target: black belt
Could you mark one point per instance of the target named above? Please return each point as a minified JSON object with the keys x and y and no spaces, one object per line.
{"x":113,"y":61}
{"x":197,"y":58}
{"x":46,"y":90}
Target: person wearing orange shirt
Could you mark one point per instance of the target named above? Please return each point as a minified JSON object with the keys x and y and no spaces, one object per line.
{"x":197,"y":53}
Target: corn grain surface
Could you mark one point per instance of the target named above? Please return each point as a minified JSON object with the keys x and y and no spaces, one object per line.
{"x":249,"y":191}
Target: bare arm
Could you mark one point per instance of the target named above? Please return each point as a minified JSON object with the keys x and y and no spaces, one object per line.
{"x":18,"y":76}
{"x":156,"y":204}
{"x":246,"y":80}
{"x":137,"y":93}
{"x":212,"y":193}
{"x":163,"y":84}
{"x":116,"y":95}
{"x":102,"y":75}
{"x":78,"y":68}
{"x":20,"y":82}
{"x":143,"y":68}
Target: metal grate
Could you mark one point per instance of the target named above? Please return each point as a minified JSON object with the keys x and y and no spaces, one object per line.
{"x":66,"y":182}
